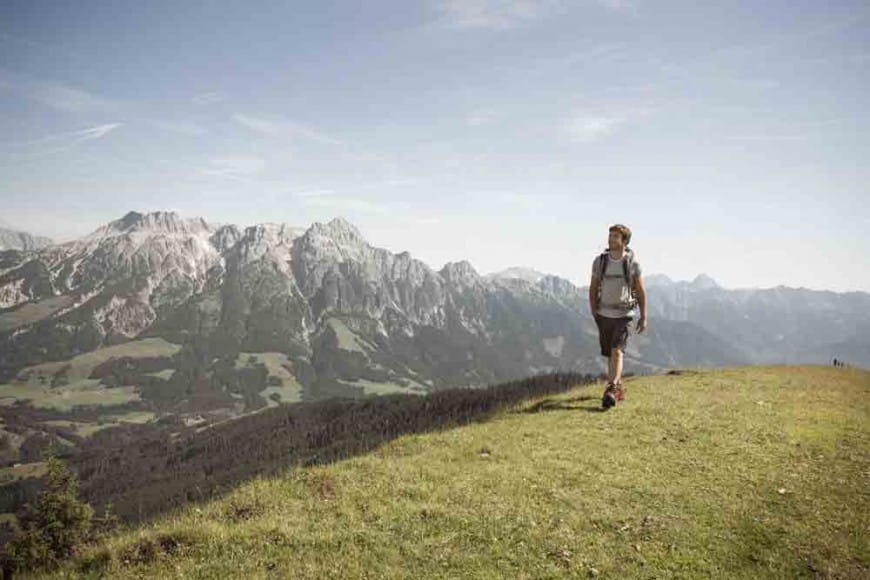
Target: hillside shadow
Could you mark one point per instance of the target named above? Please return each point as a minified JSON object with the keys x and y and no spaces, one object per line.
{"x":154,"y":471}
{"x":551,"y":404}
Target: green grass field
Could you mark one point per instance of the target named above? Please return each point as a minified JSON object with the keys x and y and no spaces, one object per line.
{"x":33,"y":312}
{"x":276,"y":365}
{"x":105,"y":421}
{"x":347,"y":339}
{"x":743,"y":473}
{"x":22,"y":471}
{"x":34,"y":383}
{"x":80,"y":367}
{"x":373,"y":388}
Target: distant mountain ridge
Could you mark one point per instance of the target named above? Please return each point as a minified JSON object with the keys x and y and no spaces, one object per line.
{"x":181,"y":323}
{"x":528,"y":274}
{"x":701,"y":282}
{"x":16,"y":240}
{"x":274,"y":311}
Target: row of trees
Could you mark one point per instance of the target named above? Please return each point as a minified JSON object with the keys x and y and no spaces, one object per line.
{"x":158,"y":472}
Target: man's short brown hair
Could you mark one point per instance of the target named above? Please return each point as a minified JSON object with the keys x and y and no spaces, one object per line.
{"x":623,"y":230}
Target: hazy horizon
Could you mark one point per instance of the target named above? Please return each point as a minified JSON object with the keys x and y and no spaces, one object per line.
{"x":436,"y":267}
{"x":731,"y":137}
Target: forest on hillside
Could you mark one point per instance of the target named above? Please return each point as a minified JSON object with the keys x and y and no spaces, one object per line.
{"x":141,"y":471}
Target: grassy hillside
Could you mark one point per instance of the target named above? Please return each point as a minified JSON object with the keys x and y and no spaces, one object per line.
{"x":743,"y":473}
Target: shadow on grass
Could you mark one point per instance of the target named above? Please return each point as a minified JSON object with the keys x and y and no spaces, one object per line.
{"x":159,"y":472}
{"x":566,"y":405}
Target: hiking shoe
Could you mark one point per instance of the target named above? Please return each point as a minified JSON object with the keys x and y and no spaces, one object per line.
{"x":610,"y":396}
{"x":620,"y":393}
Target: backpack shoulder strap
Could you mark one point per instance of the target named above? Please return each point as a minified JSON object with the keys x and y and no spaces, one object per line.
{"x":626,"y":269}
{"x":602,"y":266}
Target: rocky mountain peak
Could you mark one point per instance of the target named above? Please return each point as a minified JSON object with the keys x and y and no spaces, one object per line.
{"x":658,"y":280}
{"x":460,"y":272}
{"x":336,"y":240}
{"x":518,"y":273}
{"x":225,"y":237}
{"x":341,"y":230}
{"x":557,"y":286}
{"x":275,"y":240}
{"x":157,"y":222}
{"x":279,"y":234}
{"x":704,"y":282}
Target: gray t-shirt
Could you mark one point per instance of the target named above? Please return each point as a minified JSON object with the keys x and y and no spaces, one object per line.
{"x":615,"y":294}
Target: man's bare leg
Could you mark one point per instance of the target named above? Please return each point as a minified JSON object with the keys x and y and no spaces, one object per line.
{"x":614,"y":375}
{"x":615,"y":370}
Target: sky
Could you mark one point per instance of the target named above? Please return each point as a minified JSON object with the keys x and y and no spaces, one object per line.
{"x":731,"y":136}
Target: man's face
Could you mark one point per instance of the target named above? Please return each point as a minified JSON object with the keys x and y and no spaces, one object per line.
{"x":614,"y":240}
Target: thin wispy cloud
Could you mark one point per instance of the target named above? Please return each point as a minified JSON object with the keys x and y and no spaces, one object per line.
{"x":313,"y":135}
{"x":857,"y":59}
{"x":557,"y":62}
{"x":600,"y":53}
{"x":765,"y":138}
{"x":272,"y":128}
{"x":69,"y":99}
{"x":493,"y":14}
{"x":311,"y":193}
{"x":402,"y":182}
{"x":96,"y":132}
{"x":481,"y":117}
{"x":352,"y":204}
{"x":786,"y":42}
{"x":593,"y":122}
{"x":588,"y":128}
{"x":57,"y":96}
{"x":234,"y":167}
{"x":259,"y":125}
{"x":207,"y":98}
{"x":13,"y":39}
{"x":59,"y":142}
{"x":619,"y":5}
{"x":181,"y":127}
{"x":520,"y":199}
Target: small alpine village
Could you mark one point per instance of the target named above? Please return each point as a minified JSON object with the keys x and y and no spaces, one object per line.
{"x":434,"y":289}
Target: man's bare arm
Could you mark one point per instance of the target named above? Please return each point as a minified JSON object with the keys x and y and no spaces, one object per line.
{"x":640,"y":290}
{"x":593,"y":296}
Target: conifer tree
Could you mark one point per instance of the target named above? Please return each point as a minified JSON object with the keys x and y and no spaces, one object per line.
{"x":53,"y":528}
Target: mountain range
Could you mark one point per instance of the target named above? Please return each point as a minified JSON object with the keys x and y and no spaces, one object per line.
{"x":181,"y":316}
{"x":15,"y":240}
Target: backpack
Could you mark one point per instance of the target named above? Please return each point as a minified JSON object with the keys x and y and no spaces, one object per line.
{"x":627,"y":264}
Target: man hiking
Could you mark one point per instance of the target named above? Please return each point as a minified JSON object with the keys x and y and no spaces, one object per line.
{"x":615,"y":290}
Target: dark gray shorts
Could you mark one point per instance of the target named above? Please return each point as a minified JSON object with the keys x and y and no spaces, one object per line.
{"x":612,"y":333}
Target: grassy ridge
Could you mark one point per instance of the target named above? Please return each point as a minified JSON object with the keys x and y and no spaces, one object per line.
{"x":745,"y":473}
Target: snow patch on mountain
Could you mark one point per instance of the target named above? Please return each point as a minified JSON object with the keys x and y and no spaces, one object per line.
{"x":554,"y":346}
{"x":12,"y":294}
{"x":517,"y":273}
{"x":125,"y":316}
{"x":79,"y":301}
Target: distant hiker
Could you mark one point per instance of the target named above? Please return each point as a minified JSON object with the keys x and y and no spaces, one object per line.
{"x":616,"y":288}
